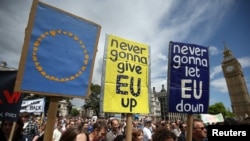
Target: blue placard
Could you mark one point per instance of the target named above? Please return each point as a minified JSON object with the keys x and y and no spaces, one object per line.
{"x":188,"y":78}
{"x":61,"y":53}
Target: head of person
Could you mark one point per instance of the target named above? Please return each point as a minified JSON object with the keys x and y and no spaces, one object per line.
{"x":135,"y":124}
{"x":25,"y":116}
{"x":79,"y":122}
{"x":147,"y":122}
{"x":199,"y":131}
{"x":173,"y":125}
{"x":99,"y":131}
{"x":59,"y":126}
{"x":163,"y":134}
{"x":72,"y":123}
{"x":168,"y":126}
{"x":6,"y":128}
{"x":115,"y":125}
{"x":42,"y":127}
{"x":73,"y":133}
{"x":183,"y":127}
{"x":137,"y":134}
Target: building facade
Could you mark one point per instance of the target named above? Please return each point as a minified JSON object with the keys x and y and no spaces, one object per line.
{"x":237,"y":88}
{"x":164,"y":114}
{"x":155,"y":110}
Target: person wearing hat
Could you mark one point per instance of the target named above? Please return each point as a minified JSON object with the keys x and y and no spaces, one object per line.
{"x":147,"y":134}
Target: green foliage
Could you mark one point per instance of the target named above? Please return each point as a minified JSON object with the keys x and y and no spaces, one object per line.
{"x":93,"y":101}
{"x":219,"y":108}
{"x":74,"y":112}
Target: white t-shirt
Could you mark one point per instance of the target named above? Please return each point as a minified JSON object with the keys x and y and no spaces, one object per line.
{"x":147,"y":134}
{"x":56,"y":135}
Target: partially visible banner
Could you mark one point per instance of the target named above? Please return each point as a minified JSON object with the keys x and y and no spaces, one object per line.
{"x":188,"y":78}
{"x":126,"y":76}
{"x":211,"y":119}
{"x":33,"y":106}
{"x":10,"y":101}
{"x":58,"y":55}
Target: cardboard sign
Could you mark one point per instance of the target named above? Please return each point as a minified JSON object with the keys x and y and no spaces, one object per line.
{"x":126,"y":74}
{"x":58,"y":53}
{"x":188,"y":78}
{"x":33,"y":106}
{"x":10,"y":101}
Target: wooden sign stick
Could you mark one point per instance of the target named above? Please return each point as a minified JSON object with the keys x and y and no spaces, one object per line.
{"x":129,"y":127}
{"x":51,"y":119}
{"x":12,"y":131}
{"x":189,"y":127}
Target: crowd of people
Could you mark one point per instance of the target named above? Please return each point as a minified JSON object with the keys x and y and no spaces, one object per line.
{"x":78,"y":129}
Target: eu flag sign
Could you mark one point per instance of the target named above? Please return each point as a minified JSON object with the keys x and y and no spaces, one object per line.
{"x":188,"y":78}
{"x":58,"y":54}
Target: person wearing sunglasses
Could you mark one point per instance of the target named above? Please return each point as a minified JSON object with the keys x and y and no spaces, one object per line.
{"x":199,"y":132}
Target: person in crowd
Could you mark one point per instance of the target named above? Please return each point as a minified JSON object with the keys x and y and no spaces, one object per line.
{"x":57,"y":133}
{"x":175,"y":129}
{"x":99,"y":131}
{"x":120,"y":138}
{"x":30,"y":128}
{"x":79,"y":122}
{"x":85,"y":127}
{"x":90,"y":127}
{"x":183,"y":128}
{"x":163,"y":134}
{"x":135,"y":124}
{"x":74,"y":133}
{"x":168,"y":126}
{"x":6,"y":128}
{"x":199,"y":132}
{"x":41,"y":131}
{"x":114,"y":131}
{"x":245,"y":121}
{"x":72,"y":123}
{"x":147,"y":134}
{"x":230,"y":121}
{"x":137,"y":134}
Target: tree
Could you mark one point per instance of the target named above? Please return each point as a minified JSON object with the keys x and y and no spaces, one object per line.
{"x":74,"y":112}
{"x":93,"y":101}
{"x":219,"y":108}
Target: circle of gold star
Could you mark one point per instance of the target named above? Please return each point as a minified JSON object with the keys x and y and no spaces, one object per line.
{"x":42,"y":71}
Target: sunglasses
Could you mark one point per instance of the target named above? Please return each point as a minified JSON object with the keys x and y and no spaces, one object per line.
{"x":202,"y":128}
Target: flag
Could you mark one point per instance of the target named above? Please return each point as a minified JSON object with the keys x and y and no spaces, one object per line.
{"x":59,"y":56}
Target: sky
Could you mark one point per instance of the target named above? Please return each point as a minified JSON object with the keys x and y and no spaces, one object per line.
{"x":156,"y":23}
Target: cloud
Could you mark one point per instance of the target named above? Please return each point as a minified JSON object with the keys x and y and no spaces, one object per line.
{"x":219,"y":84}
{"x":214,"y":50}
{"x":244,"y":61}
{"x":215,"y":70}
{"x":77,"y":102}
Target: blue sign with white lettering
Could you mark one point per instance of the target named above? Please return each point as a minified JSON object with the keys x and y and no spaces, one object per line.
{"x":188,"y":78}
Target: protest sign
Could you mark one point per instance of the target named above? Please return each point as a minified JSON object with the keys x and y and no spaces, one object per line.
{"x":10,"y":101}
{"x":58,"y":53}
{"x":126,"y":76}
{"x":188,"y":78}
{"x":33,"y":105}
